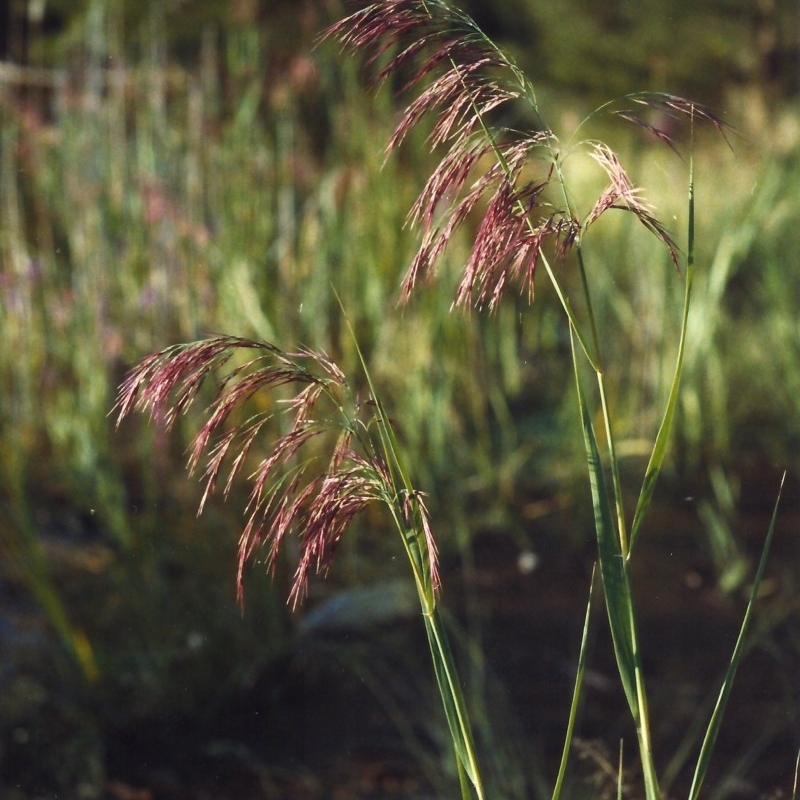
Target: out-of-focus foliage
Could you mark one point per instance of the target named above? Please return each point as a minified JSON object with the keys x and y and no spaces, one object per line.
{"x":596,"y":49}
{"x":695,"y":48}
{"x":193,"y":167}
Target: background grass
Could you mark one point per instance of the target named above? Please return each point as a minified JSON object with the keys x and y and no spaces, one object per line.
{"x":143,"y":203}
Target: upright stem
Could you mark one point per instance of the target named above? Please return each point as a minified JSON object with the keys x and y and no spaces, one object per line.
{"x":420,"y":559}
{"x":601,"y":386}
{"x":453,"y":700}
{"x":622,"y":530}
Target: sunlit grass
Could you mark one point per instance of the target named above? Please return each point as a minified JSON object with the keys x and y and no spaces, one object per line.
{"x":131,"y":228}
{"x":138,"y":208}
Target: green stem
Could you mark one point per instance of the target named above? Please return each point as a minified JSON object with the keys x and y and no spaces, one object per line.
{"x":614,"y":462}
{"x":444,"y":666}
{"x":576,"y":696}
{"x":453,"y":700}
{"x":615,"y":570}
{"x":597,"y":366}
{"x":652,"y":792}
{"x":419,"y":558}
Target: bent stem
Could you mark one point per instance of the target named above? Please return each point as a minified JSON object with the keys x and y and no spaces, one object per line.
{"x":416,"y":545}
{"x":714,"y":723}
{"x":576,"y":696}
{"x":615,"y":571}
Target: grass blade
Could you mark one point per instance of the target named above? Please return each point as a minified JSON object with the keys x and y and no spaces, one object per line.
{"x":420,"y":558}
{"x":612,"y":569}
{"x":576,"y":695}
{"x":712,"y":731}
{"x":662,"y":438}
{"x":617,"y":591}
{"x":454,"y":704}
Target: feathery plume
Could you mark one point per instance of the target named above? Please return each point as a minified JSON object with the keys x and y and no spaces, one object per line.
{"x":461,"y":78}
{"x":622,"y":194}
{"x":293,"y":492}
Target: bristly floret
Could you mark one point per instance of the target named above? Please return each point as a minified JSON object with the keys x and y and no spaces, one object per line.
{"x":623,"y":195}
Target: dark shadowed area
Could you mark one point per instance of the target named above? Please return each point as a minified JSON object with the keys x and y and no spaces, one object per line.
{"x":171,"y":171}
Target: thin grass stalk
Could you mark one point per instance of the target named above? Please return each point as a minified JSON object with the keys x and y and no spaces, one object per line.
{"x":596,"y":362}
{"x":707,"y":748}
{"x":415,"y":543}
{"x":576,"y":696}
{"x":619,"y":601}
{"x":575,"y":326}
{"x":391,"y":449}
{"x":616,"y":481}
{"x":444,"y":666}
{"x":597,"y":365}
{"x":454,"y":703}
{"x":658,"y":454}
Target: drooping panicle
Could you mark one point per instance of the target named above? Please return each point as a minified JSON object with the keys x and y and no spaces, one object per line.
{"x":462,"y":78}
{"x":622,"y":194}
{"x":489,"y":176}
{"x":296,"y":489}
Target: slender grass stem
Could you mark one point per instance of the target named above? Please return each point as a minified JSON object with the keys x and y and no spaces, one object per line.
{"x":615,"y":571}
{"x":658,"y":454}
{"x":597,"y":365}
{"x":415,"y":545}
{"x":710,"y":739}
{"x":576,"y":695}
{"x":455,"y":705}
{"x":574,"y":323}
{"x":614,"y":462}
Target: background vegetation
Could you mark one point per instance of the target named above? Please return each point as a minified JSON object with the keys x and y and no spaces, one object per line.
{"x":169,"y":170}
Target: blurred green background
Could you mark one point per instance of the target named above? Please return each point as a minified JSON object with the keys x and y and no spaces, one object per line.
{"x":169,"y":170}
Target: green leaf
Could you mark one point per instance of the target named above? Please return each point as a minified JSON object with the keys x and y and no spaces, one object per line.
{"x":576,"y":695}
{"x":662,"y":439}
{"x":453,"y":701}
{"x":617,"y":591}
{"x":715,"y":722}
{"x":616,"y":586}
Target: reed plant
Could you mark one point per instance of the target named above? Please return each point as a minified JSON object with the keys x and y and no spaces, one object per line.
{"x":340,"y":451}
{"x":122,"y":224}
